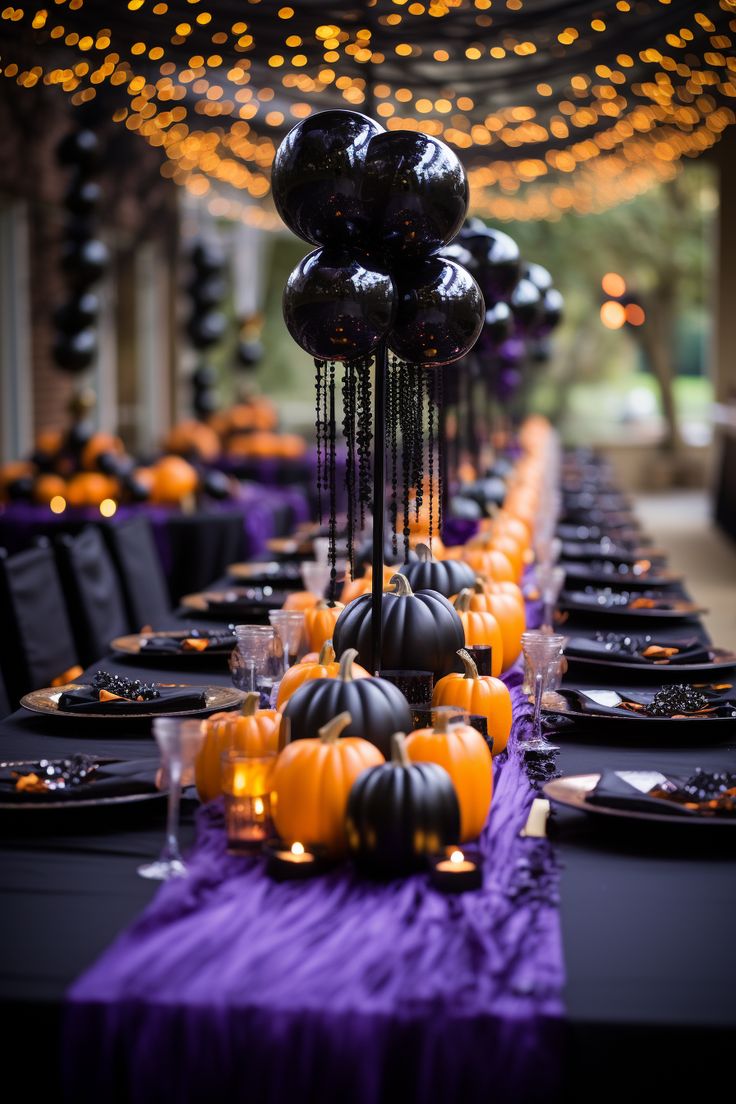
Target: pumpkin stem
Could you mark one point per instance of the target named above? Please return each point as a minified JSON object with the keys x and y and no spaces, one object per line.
{"x":322,"y":604}
{"x":401,"y":586}
{"x":326,"y":654}
{"x":330,"y":733}
{"x":440,"y":722}
{"x":424,"y":553}
{"x":399,"y":755}
{"x":462,"y":602}
{"x":471,"y":669}
{"x":348,"y":657}
{"x":479,"y":586}
{"x":250,"y":705}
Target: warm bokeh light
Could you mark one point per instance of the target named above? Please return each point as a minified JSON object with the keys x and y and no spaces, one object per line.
{"x":635,"y":315}
{"x":613,"y":315}
{"x":108,"y":507}
{"x":297,"y":848}
{"x":57,"y":505}
{"x":456,"y":857}
{"x":614,"y":285}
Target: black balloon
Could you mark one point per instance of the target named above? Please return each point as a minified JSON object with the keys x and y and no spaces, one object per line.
{"x":526,"y":304}
{"x":78,"y":313}
{"x":338,"y":305}
{"x":249,"y":353}
{"x":539,"y":276}
{"x":216,"y":484}
{"x":206,"y":329}
{"x":208,"y":258}
{"x":457,"y":252}
{"x":317,"y":175}
{"x":204,"y":376}
{"x":21,"y":488}
{"x":80,"y":149}
{"x":83,"y":196}
{"x":85,"y":261}
{"x":497,"y":257}
{"x":440,"y":313}
{"x":135,"y":490}
{"x":75,"y":352}
{"x":79,"y":435}
{"x":108,"y":463}
{"x":205,"y":402}
{"x":553,"y":306}
{"x":208,"y":291}
{"x":416,"y":192}
{"x":497,"y":326}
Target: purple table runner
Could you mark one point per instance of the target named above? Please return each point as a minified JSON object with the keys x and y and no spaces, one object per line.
{"x":337,"y":990}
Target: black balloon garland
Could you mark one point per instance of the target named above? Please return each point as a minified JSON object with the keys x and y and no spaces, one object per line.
{"x":206,"y":325}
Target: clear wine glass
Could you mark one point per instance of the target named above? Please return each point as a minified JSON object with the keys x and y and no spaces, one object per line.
{"x":179,"y":743}
{"x":550,"y":580}
{"x":289,"y":624}
{"x":542,"y":653}
{"x":257,"y":661}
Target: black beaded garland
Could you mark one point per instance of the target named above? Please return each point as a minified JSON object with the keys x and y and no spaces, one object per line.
{"x":318,"y":369}
{"x":332,"y":477}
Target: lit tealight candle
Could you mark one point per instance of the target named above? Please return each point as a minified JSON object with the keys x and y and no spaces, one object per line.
{"x":294,"y":862}
{"x":296,"y":854}
{"x":456,"y":872}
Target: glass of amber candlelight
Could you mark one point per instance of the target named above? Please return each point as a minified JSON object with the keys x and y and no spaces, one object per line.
{"x":246,"y":788}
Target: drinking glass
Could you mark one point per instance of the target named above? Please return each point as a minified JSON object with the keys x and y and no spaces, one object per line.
{"x":316,"y":577}
{"x":257,"y":662}
{"x":550,"y":580}
{"x":289,"y":624}
{"x":542,"y":652}
{"x":179,"y":743}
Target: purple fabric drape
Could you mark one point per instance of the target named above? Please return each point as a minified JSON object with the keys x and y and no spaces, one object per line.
{"x":232,"y":987}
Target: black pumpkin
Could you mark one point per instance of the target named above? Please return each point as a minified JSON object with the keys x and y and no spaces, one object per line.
{"x":447,"y":577}
{"x":399,"y":813}
{"x":376,"y":706}
{"x":421,"y":632}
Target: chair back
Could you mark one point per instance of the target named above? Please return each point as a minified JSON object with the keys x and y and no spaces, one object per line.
{"x":146,"y":595}
{"x":94,"y":596}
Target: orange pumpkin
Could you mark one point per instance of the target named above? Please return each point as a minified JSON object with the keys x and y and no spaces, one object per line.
{"x":482,"y":694}
{"x":291,"y":446}
{"x":300,"y":600}
{"x":313,"y":778}
{"x":464,"y":754}
{"x":324,"y":666}
{"x":194,"y":437}
{"x":173,"y":479}
{"x":252,"y":730}
{"x":89,"y":489}
{"x":481,"y":627}
{"x":513,"y":551}
{"x":14,"y":469}
{"x":47,"y":487}
{"x":49,"y":441}
{"x":508,"y":609}
{"x":491,"y":562}
{"x":319,"y":623}
{"x":97,"y":444}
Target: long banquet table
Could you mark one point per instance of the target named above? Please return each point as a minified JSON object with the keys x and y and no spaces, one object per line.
{"x":646,"y":918}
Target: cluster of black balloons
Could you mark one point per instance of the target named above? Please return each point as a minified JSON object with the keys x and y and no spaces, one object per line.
{"x":84,"y":257}
{"x":207,"y":324}
{"x":381,"y":207}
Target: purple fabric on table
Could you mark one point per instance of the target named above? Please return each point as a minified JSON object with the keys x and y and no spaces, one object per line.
{"x":337,"y":990}
{"x":458,"y":530}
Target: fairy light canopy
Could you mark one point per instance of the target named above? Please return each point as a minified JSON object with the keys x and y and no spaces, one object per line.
{"x":552,"y":106}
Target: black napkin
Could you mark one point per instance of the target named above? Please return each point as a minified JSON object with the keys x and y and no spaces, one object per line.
{"x":722,"y":701}
{"x":608,"y":598}
{"x":615,"y":792}
{"x":174,"y":645}
{"x":173,"y":699}
{"x":628,"y":649}
{"x":136,"y":776}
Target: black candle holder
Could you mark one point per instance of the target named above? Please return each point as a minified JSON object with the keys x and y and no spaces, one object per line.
{"x":457,"y":870}
{"x":416,"y":686}
{"x":295,"y":862}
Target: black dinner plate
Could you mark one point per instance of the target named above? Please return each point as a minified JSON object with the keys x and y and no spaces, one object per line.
{"x":593,"y":573}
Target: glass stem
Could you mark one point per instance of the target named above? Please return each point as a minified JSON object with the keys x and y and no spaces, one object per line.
{"x":171,"y":848}
{"x":537,"y":721}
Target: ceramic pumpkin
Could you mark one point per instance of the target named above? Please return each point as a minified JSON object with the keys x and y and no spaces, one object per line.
{"x":323,"y":667}
{"x":319,"y":623}
{"x":399,"y":813}
{"x":377,"y":707}
{"x":251,"y":730}
{"x":421,"y":631}
{"x":47,"y":487}
{"x":89,"y":489}
{"x":300,"y":600}
{"x":480,"y":694}
{"x":192,"y":438}
{"x":480,"y":627}
{"x":490,"y":562}
{"x":445,"y":576}
{"x":464,"y":754}
{"x":313,"y":780}
{"x":98,"y":444}
{"x":507,"y":606}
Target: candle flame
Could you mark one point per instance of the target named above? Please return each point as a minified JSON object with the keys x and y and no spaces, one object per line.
{"x":258,"y":806}
{"x":297,"y":848}
{"x":456,"y":857}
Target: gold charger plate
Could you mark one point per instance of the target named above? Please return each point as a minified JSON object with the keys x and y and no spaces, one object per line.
{"x":131,"y":645}
{"x":570,"y":790}
{"x":46,"y":701}
{"x":266,"y":569}
{"x":83,"y":803}
{"x":207,"y":600}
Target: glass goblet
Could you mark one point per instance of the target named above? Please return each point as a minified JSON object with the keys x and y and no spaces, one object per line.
{"x":550,"y":580}
{"x":289,"y":624}
{"x":542,"y":652}
{"x":179,"y":743}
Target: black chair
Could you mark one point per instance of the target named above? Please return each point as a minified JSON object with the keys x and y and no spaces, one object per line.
{"x":202,"y":547}
{"x":4,"y":700}
{"x":37,"y":644}
{"x":136,"y":559}
{"x":92,"y":589}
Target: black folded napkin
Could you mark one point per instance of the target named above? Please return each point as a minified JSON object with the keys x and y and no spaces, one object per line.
{"x":605,"y":598}
{"x":137,"y":776}
{"x":177,"y":645}
{"x":615,"y":792}
{"x":170,"y":700}
{"x":709,"y":794}
{"x":645,"y":649}
{"x":720,"y":703}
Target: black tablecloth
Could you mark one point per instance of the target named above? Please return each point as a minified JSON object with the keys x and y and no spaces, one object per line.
{"x":647,"y":918}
